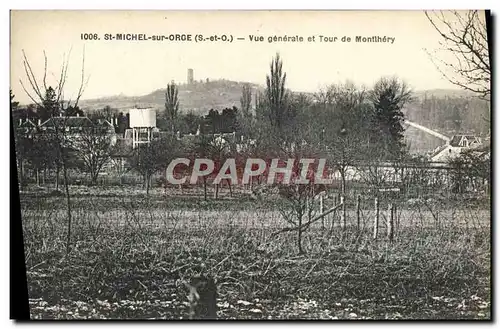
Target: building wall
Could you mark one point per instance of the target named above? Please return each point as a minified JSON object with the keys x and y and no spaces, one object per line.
{"x":448,"y":153}
{"x":190,"y":76}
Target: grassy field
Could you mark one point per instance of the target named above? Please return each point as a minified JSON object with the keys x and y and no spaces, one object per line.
{"x":129,"y":255}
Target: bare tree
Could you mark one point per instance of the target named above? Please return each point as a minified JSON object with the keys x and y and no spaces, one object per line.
{"x":345,"y":134}
{"x":464,"y":37}
{"x":345,"y":95}
{"x":52,"y":101}
{"x":148,"y":159}
{"x":300,"y":206}
{"x":216,"y":148}
{"x":298,"y":210}
{"x":220,"y":150}
{"x":94,"y":149}
{"x":202,"y":148}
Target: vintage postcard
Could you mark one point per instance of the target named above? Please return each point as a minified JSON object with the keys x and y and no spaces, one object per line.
{"x":252,"y":164}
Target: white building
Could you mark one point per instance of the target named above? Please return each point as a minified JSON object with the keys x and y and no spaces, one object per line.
{"x":455,"y":147}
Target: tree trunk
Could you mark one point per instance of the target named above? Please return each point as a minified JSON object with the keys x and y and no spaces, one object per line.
{"x":376,"y":221}
{"x":358,"y":212}
{"x":403,"y":185}
{"x":57,"y":177}
{"x":342,"y":175}
{"x":321,"y":210}
{"x":216,"y":191}
{"x":390,"y":222}
{"x":147,"y":183}
{"x":205,"y":188}
{"x":343,"y":221}
{"x":299,"y":236}
{"x":68,"y":208}
{"x":93,"y":178}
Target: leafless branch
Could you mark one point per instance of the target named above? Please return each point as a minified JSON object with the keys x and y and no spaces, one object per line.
{"x":31,"y":77}
{"x":29,"y":95}
{"x":45,"y":71}
{"x":83,"y":84}
{"x":308,"y":223}
{"x":464,"y":36}
{"x":63,"y":76}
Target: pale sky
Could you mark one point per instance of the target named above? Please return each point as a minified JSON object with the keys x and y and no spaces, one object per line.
{"x":139,"y":67}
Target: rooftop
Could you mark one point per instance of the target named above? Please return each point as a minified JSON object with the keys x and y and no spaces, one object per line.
{"x":68,"y":122}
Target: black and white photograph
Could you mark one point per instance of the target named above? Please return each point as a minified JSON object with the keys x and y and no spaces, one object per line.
{"x":252,"y":165}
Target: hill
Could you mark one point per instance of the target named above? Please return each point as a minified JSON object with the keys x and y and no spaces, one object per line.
{"x":198,"y":97}
{"x":443,"y":93}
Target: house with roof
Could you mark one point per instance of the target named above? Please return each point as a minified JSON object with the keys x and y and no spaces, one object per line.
{"x":75,"y":128}
{"x":455,"y":146}
{"x":27,"y":128}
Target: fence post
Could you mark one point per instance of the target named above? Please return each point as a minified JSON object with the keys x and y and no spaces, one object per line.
{"x":343,"y":213}
{"x":358,"y":211}
{"x":375,"y":224}
{"x":321,"y":211}
{"x":397,"y":217}
{"x":334,"y":214}
{"x":390,"y":222}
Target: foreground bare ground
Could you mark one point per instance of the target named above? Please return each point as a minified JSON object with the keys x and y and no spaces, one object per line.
{"x":129,"y":256}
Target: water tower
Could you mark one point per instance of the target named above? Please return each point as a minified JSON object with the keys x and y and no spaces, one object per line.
{"x":142,"y":122}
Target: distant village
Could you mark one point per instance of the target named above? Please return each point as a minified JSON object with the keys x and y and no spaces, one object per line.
{"x":129,"y":129}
